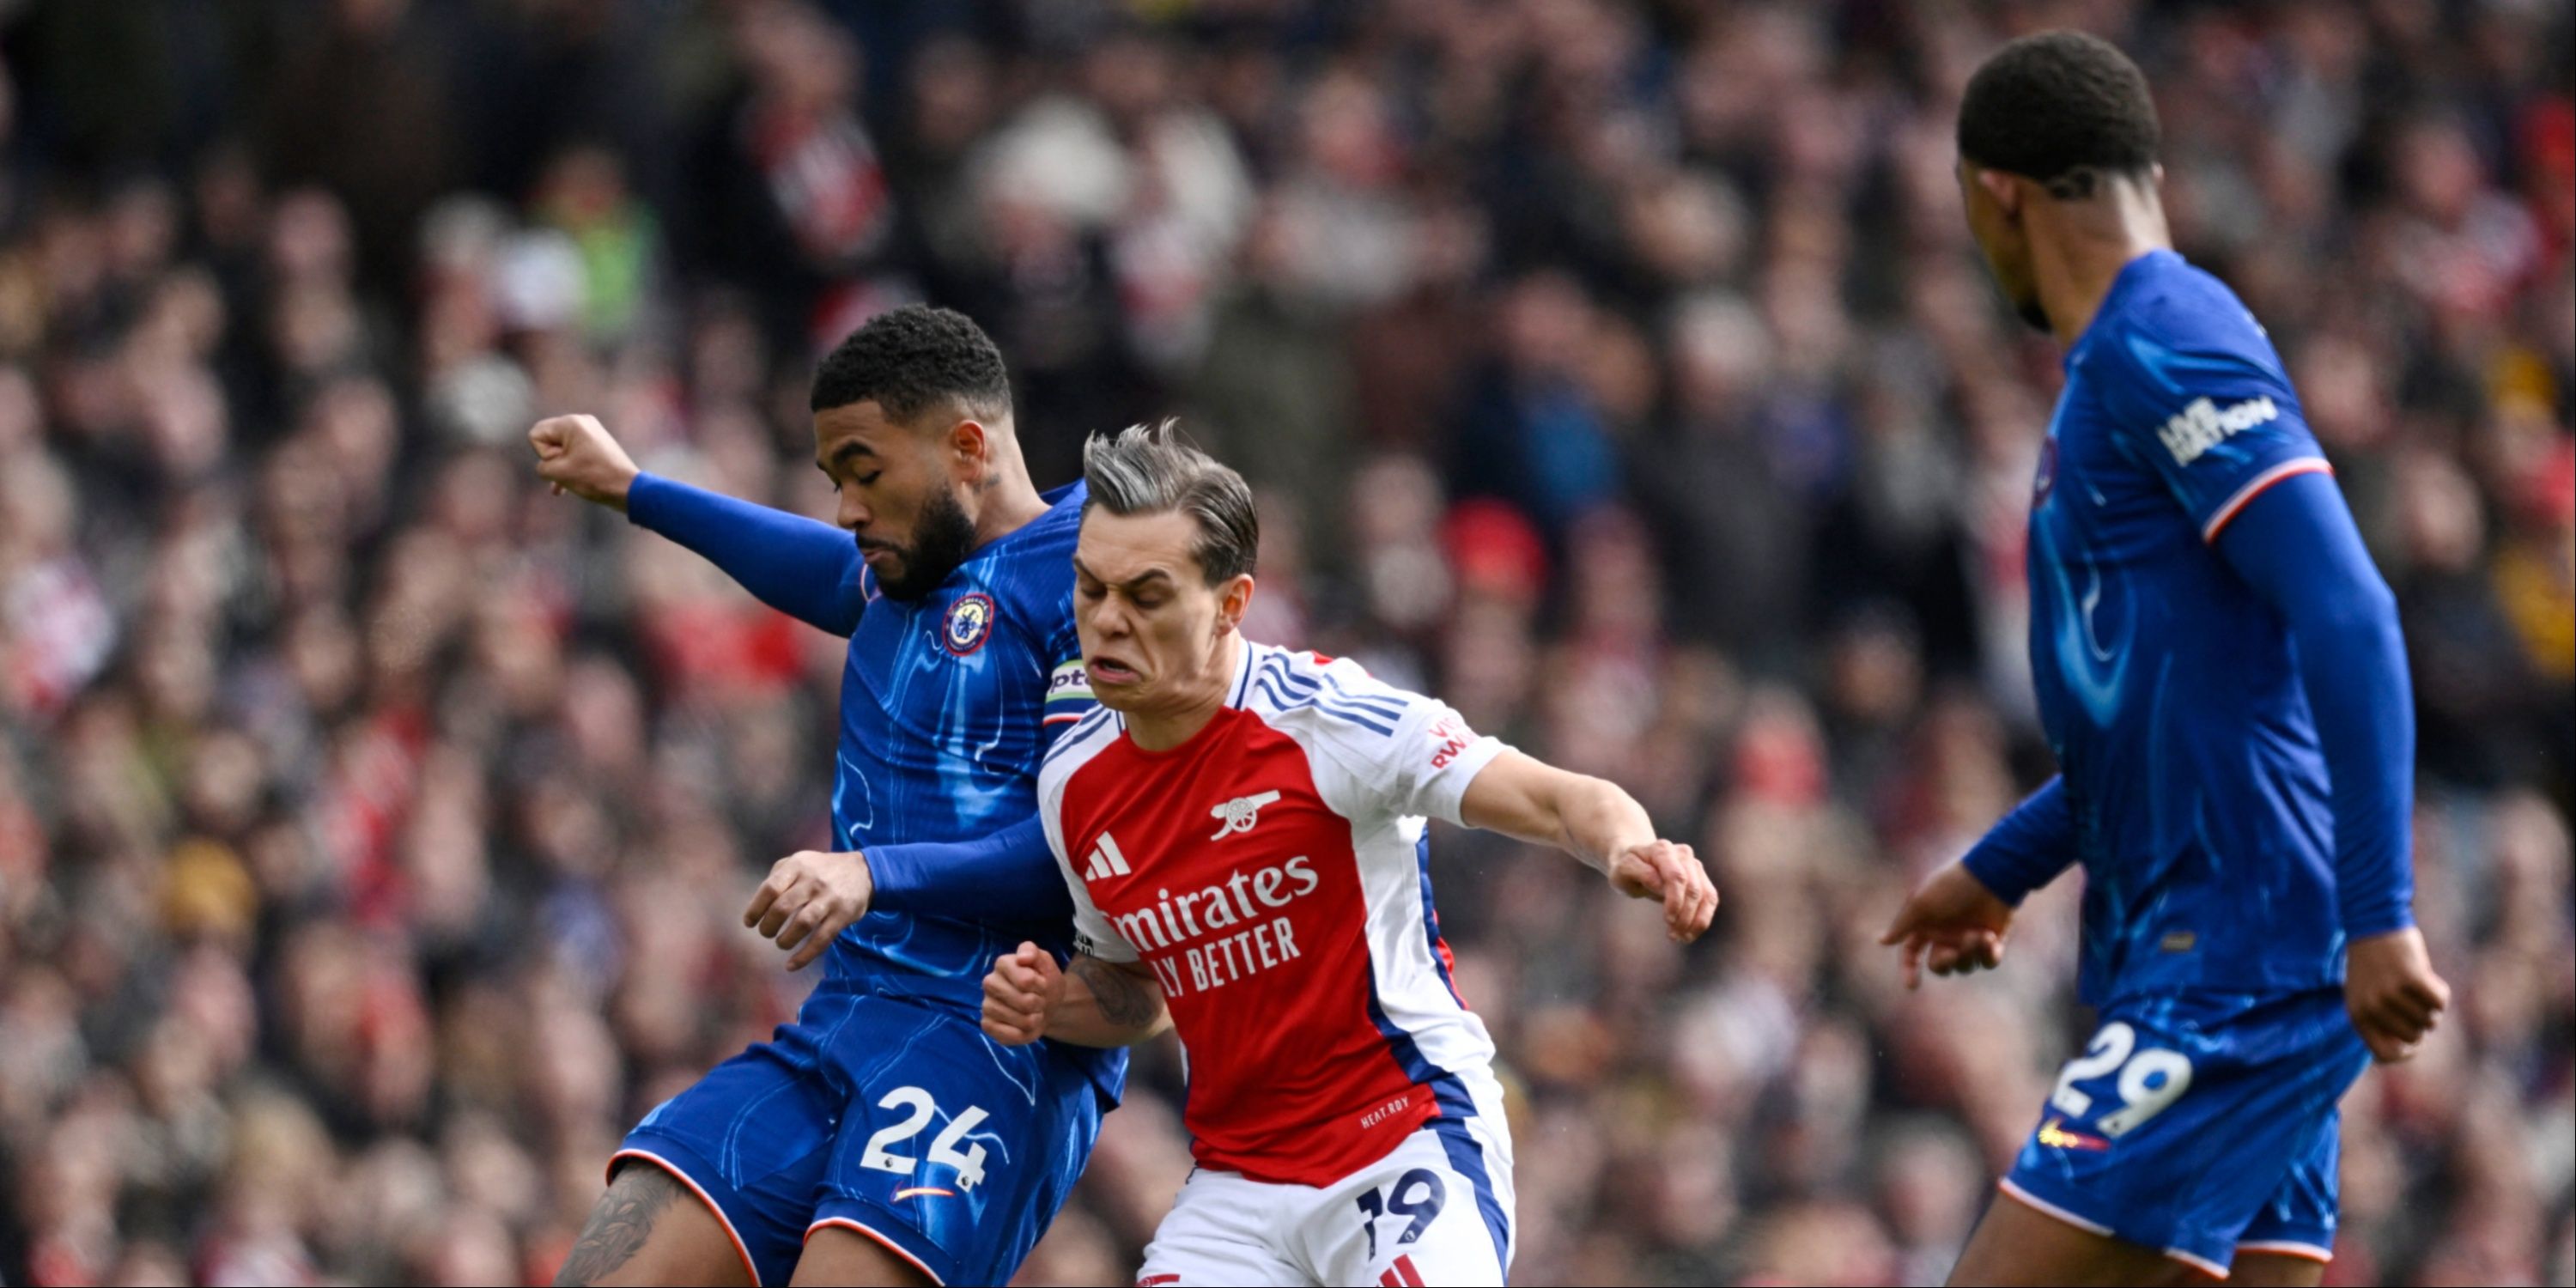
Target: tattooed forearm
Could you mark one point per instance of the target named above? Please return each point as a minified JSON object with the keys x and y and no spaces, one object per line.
{"x":619,"y":1224}
{"x":1126,"y":999}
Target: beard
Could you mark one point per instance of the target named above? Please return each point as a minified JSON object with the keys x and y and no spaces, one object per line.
{"x":942,"y":540}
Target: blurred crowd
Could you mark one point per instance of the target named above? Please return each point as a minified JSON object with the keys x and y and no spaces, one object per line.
{"x":374,"y":826}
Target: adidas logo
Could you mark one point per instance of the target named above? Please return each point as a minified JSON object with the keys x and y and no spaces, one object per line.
{"x":1106,"y":861}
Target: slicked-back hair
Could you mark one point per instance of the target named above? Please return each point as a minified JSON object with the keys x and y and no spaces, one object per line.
{"x":1153,"y":470}
{"x":2059,"y":108}
{"x":914,"y":359}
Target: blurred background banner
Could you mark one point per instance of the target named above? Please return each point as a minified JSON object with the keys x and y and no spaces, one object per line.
{"x":374,"y":827}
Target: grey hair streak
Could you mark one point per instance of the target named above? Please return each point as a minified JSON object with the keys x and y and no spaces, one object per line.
{"x":1153,"y":469}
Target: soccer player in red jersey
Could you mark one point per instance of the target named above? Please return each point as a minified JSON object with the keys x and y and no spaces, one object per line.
{"x":1242,"y":828}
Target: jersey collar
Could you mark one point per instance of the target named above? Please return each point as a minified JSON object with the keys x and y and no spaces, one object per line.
{"x":1244,"y":665}
{"x":2129,"y":277}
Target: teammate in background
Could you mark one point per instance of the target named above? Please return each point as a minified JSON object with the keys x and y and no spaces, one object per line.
{"x":2220,"y":673}
{"x":1242,"y":829}
{"x":882,"y":1138}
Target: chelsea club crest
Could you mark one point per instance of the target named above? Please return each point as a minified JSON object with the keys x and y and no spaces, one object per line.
{"x":969,"y":623}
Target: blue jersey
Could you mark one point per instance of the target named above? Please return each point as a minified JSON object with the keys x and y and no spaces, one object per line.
{"x":2168,"y":688}
{"x":884,"y":1107}
{"x":947,"y":705}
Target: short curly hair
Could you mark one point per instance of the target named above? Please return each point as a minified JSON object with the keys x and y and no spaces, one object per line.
{"x":912,"y":359}
{"x":2056,"y":104}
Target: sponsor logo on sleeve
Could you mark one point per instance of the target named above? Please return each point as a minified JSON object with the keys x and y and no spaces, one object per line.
{"x":1067,"y":683}
{"x":1448,"y":739}
{"x":2204,"y":425}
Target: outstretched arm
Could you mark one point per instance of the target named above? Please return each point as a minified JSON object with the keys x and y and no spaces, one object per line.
{"x":808,"y":570}
{"x":2297,"y":546}
{"x":1596,"y":822}
{"x":1090,"y":1002}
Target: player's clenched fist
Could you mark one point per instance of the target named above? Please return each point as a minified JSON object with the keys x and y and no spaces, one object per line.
{"x":809,"y":899}
{"x":1018,"y":994}
{"x":577,"y":455}
{"x":2395,"y":998}
{"x":1673,"y":873}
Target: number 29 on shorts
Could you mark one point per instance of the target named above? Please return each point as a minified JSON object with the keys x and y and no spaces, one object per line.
{"x":2151,"y":1079}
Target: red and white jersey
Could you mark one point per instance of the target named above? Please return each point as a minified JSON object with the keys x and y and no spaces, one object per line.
{"x":1274,"y":873}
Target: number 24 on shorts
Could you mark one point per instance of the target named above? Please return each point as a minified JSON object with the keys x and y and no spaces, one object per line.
{"x":969,"y":1162}
{"x":2150,"y":1080}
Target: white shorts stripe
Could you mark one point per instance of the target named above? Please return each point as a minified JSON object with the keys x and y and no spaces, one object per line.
{"x":2044,"y":1206}
{"x":2198,"y":1262}
{"x":2288,"y":1248}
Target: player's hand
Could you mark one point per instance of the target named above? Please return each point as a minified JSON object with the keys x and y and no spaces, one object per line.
{"x":577,"y":455}
{"x":1019,"y":992}
{"x":1671,"y":872}
{"x":2392,"y":992}
{"x":809,"y":899}
{"x":1953,"y":923}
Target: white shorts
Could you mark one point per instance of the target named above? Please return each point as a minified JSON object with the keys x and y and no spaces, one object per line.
{"x":1437,"y":1210}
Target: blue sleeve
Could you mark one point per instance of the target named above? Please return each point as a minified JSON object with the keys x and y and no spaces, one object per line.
{"x":2300,"y":550}
{"x":2204,"y":405}
{"x":808,"y":570}
{"x":1008,"y":876}
{"x":2027,"y":848}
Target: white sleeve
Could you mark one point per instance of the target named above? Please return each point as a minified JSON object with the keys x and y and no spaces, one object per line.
{"x":1092,"y":932}
{"x":1397,"y":753}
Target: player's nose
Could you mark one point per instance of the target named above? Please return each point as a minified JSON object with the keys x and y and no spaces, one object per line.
{"x":1106,"y":621}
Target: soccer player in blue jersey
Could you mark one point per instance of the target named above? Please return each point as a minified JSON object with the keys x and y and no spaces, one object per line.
{"x":882,"y":1138}
{"x":2221,"y":676}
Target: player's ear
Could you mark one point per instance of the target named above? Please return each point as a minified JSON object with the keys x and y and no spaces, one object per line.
{"x":969,"y":449}
{"x":969,"y":445}
{"x":2003,"y":188}
{"x":1233,"y":599}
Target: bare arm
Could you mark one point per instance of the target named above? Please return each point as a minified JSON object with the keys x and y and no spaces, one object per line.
{"x":1599,"y":823}
{"x":1090,"y":1002}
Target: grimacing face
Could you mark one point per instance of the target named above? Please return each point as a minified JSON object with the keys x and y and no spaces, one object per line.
{"x":1152,"y":628}
{"x":898,"y":496}
{"x":2002,"y":238}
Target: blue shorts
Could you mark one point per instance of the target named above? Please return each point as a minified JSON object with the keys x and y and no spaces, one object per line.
{"x":889,"y":1115}
{"x":2200,"y":1125}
